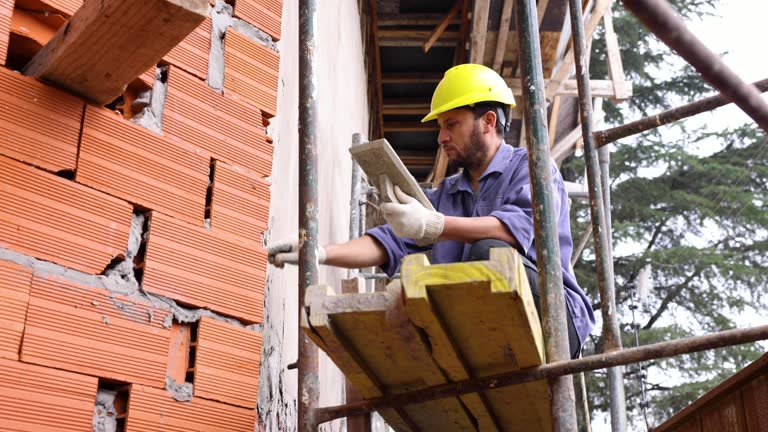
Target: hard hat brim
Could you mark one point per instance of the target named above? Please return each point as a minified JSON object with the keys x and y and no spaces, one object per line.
{"x":469,"y":99}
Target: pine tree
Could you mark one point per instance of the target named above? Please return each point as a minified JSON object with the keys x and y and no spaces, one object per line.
{"x":693,"y":217}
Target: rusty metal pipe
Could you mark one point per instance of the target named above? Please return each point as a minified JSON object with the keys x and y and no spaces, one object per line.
{"x":659,"y":17}
{"x":554,"y":326}
{"x":308,"y":389}
{"x":599,"y":205}
{"x":598,"y":361}
{"x":608,"y":136}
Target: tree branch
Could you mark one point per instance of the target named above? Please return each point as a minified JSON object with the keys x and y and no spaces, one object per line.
{"x":670,"y":297}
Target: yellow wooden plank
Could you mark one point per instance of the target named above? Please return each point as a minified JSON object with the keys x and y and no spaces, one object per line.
{"x":371,"y":339}
{"x":481,"y":320}
{"x":321,"y":330}
{"x":447,"y":355}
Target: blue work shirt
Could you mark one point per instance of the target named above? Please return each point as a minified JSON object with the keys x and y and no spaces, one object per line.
{"x":504,"y":193}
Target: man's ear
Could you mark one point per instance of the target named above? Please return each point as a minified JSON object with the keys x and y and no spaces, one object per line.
{"x":489,"y":121}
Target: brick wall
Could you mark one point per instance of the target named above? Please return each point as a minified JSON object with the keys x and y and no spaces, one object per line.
{"x":132,"y":272}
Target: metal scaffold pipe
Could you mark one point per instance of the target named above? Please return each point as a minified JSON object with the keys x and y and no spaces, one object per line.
{"x":608,"y":136}
{"x":662,"y":20}
{"x":563,"y":406}
{"x":600,"y":227}
{"x":598,"y":361}
{"x":308,"y":388}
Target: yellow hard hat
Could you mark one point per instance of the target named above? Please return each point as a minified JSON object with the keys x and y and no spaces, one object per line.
{"x":468,"y":84}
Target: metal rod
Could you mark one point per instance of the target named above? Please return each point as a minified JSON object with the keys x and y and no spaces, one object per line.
{"x":554,"y":327}
{"x":308,"y":388}
{"x":615,"y":374}
{"x":608,"y":136}
{"x":598,"y":361}
{"x":600,"y":230}
{"x":582,"y":403}
{"x":375,"y":276}
{"x":662,"y":20}
{"x":581,"y":245}
{"x":354,"y":201}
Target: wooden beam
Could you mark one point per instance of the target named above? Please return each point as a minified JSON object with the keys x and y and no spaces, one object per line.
{"x":541,"y":9}
{"x":414,"y":43}
{"x":440,"y":29}
{"x":377,"y":57}
{"x":406,"y":107}
{"x":460,"y":56}
{"x":439,"y":169}
{"x":359,"y":423}
{"x":414,"y":38}
{"x":413,"y":19}
{"x":422,"y":107}
{"x":600,"y":88}
{"x":563,"y":70}
{"x":412,"y":78}
{"x":521,"y":141}
{"x":501,"y":41}
{"x":417,"y":159}
{"x":510,"y":68}
{"x":553,"y":119}
{"x":574,"y":140}
{"x":479,"y":30}
{"x":418,"y":35}
{"x":415,"y":126}
{"x":108,"y":43}
{"x":615,"y":67}
{"x":565,"y":146}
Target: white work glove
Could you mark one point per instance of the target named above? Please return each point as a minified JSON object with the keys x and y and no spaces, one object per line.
{"x":410,"y":219}
{"x":286,"y":251}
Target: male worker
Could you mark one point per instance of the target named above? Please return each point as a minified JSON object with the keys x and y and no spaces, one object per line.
{"x":487,"y":205}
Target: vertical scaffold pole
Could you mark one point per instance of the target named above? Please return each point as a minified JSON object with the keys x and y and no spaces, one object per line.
{"x":308,"y":389}
{"x":544,"y":215}
{"x":597,"y":204}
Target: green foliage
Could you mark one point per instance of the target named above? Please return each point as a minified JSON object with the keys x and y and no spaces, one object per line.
{"x":701,"y":225}
{"x":660,"y":79}
{"x":691,"y":203}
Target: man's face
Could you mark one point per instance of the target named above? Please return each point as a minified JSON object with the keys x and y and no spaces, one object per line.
{"x":461,"y":137}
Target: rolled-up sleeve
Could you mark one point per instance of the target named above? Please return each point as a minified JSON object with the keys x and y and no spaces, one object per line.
{"x":397,"y":247}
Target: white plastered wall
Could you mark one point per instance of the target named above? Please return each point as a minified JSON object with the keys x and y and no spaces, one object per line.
{"x":342,"y":110}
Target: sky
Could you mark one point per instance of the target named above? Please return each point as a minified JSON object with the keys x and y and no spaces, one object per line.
{"x":739,"y":31}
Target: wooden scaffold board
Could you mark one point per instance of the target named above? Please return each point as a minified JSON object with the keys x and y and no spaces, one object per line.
{"x":440,"y":323}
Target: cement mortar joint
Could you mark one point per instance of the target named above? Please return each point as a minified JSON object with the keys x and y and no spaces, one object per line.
{"x":117,"y":285}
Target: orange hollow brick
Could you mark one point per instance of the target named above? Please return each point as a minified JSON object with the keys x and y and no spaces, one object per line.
{"x":6,"y":11}
{"x":140,"y":166}
{"x":153,"y":410}
{"x":205,"y":269}
{"x":39,"y":124}
{"x":251,"y":72}
{"x":191,"y":54}
{"x":264,"y":14}
{"x":14,"y":297}
{"x":40,"y":399}
{"x":229,"y":129}
{"x":95,"y":332}
{"x":240,"y":202}
{"x":227,"y":363}
{"x":58,"y":220}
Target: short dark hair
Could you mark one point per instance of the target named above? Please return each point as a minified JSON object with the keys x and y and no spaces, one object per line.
{"x":501,"y":110}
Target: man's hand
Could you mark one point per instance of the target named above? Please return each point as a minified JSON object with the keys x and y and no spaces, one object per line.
{"x":410,"y":219}
{"x":286,"y":251}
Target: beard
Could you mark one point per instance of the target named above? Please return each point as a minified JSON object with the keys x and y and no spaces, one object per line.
{"x":474,"y":155}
